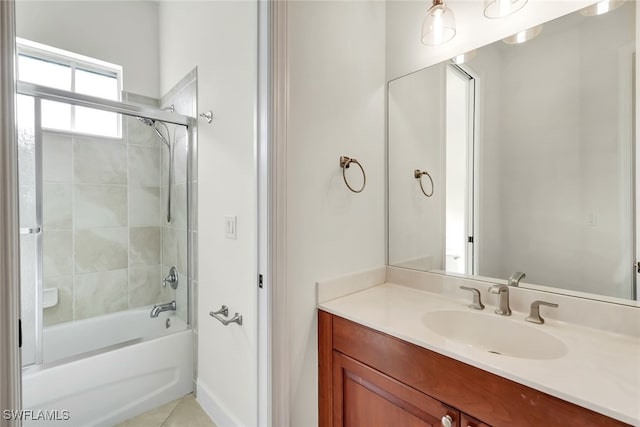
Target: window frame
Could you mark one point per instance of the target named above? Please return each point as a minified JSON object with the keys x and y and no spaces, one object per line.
{"x":75,"y":62}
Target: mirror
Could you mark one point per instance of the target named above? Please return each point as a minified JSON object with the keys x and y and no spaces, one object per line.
{"x":522,"y":159}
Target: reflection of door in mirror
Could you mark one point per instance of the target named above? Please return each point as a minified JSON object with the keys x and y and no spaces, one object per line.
{"x":459,"y":169}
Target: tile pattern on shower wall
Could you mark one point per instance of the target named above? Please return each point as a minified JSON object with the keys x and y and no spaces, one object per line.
{"x":102,"y":240}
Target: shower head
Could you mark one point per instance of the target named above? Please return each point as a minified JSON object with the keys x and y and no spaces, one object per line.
{"x":146,"y":121}
{"x":152,"y":123}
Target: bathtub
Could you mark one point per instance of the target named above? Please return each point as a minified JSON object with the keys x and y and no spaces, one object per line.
{"x":110,"y":368}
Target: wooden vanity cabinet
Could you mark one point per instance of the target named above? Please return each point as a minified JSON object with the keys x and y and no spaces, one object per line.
{"x":364,"y":397}
{"x":467,"y":421}
{"x":368,"y":379}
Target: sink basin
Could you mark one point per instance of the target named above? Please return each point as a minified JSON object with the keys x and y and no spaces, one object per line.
{"x":491,"y":333}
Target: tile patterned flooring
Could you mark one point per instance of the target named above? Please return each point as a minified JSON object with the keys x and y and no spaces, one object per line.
{"x":184,"y":412}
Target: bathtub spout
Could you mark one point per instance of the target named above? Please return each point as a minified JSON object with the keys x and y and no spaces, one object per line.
{"x":159,"y":308}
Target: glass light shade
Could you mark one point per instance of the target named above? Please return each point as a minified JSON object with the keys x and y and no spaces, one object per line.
{"x":523,"y":36}
{"x":601,"y":7}
{"x":463,"y":57}
{"x":494,"y":9}
{"x":439,"y":25}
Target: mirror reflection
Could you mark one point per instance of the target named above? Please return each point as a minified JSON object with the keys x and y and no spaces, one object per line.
{"x":528,"y":152}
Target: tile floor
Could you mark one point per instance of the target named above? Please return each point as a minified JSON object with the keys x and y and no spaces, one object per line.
{"x":184,"y":412}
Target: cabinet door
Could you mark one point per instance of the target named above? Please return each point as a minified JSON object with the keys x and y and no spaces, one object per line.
{"x":467,"y":421}
{"x":364,"y":397}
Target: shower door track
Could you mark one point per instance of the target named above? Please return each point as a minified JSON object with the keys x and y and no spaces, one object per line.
{"x":58,"y":95}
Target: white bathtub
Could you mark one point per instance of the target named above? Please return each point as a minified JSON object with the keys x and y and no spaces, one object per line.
{"x":102,"y":384}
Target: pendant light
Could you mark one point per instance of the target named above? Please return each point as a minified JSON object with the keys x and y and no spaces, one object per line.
{"x":439,"y":24}
{"x":601,"y":7}
{"x":464,"y":57}
{"x":494,"y":9}
{"x":523,"y":36}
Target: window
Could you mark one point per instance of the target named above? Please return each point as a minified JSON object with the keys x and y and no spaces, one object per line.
{"x":60,"y":69}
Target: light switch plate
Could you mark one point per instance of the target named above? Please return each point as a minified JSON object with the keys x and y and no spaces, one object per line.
{"x":230,"y":227}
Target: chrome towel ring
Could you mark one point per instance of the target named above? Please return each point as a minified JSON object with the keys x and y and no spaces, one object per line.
{"x":418,"y":174}
{"x":345,"y":162}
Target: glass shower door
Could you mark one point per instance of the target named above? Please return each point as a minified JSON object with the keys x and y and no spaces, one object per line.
{"x":29,"y":160}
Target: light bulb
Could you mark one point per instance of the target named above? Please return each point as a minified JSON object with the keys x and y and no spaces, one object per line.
{"x":523,"y":36}
{"x":502,"y":8}
{"x":463,"y":57}
{"x":601,"y":7}
{"x":439,"y":25}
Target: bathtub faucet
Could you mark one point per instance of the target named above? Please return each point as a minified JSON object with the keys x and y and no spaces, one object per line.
{"x":159,"y":308}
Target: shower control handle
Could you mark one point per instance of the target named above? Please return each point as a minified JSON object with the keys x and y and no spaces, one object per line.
{"x":171,"y":279}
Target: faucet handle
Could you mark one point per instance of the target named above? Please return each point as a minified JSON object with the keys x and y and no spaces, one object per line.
{"x":534,"y":313}
{"x":515,"y":278}
{"x":171,"y":279}
{"x":477,"y":302}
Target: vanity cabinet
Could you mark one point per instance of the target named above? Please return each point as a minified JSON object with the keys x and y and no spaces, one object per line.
{"x":368,"y":378}
{"x":364,"y":397}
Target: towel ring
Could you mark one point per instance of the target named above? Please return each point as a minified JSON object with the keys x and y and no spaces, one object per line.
{"x":418,"y":174}
{"x":345,"y":162}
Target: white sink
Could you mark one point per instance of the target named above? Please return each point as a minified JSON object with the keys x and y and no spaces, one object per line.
{"x":495,"y":334}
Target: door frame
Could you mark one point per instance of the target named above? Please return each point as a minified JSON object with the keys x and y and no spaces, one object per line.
{"x":472,"y":187}
{"x":10,"y":364}
{"x":273,"y":320}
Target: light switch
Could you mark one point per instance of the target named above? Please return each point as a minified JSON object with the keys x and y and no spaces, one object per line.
{"x":230,"y":227}
{"x":592,"y":219}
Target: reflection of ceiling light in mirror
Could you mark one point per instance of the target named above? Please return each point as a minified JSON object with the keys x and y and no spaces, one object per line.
{"x":601,"y":7}
{"x":464,"y":57}
{"x":502,"y":8}
{"x":523,"y":36}
{"x":439,"y":24}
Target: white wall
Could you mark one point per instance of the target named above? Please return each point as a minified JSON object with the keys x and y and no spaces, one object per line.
{"x":220,"y":38}
{"x":336,"y":107}
{"x":120,"y":32}
{"x":488,"y":228}
{"x":417,"y":134}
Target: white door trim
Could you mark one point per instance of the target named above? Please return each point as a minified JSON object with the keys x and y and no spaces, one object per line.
{"x":10,"y":366}
{"x":273,"y":335}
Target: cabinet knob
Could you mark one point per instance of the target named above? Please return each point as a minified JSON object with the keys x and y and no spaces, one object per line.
{"x":447,"y":421}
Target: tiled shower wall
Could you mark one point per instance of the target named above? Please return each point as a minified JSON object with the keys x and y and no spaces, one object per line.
{"x":102,"y":221}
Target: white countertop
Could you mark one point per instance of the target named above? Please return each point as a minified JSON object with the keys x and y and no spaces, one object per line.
{"x":601,"y":370}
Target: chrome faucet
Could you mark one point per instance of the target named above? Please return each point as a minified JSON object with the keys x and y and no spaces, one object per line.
{"x":503,"y":299}
{"x":515,"y":278}
{"x":159,"y":308}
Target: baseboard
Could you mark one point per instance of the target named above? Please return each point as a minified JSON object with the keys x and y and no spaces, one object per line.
{"x":218,"y":414}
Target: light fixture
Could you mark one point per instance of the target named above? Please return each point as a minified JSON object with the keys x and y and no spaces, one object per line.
{"x":523,"y":36}
{"x":463,"y":57}
{"x":502,"y":8}
{"x":601,"y":7}
{"x":439,"y":25}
